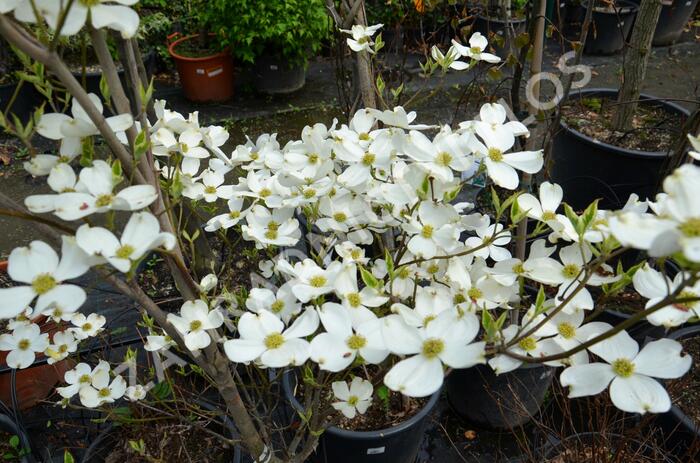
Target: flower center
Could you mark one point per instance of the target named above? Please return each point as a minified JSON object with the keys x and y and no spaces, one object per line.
{"x":566,"y":330}
{"x":63,"y":348}
{"x":570,"y":271}
{"x":340,"y":217}
{"x":518,"y":268}
{"x":352,"y":400}
{"x":459,"y":299}
{"x":548,"y":215}
{"x":277,"y":306}
{"x":691,"y":227}
{"x":443,"y":159}
{"x":265,"y":192}
{"x":427,"y":231}
{"x":104,"y":392}
{"x":528,"y":344}
{"x":313,"y":158}
{"x":86,"y":326}
{"x":403,"y":273}
{"x":356,"y":342}
{"x":429,"y":319}
{"x":234,"y":214}
{"x":318,"y":281}
{"x":274,"y":341}
{"x":210,"y":190}
{"x":195,"y":325}
{"x":24,"y":344}
{"x":44,"y":283}
{"x":85,"y":379}
{"x":433,"y":347}
{"x":309,"y":193}
{"x":363,"y":136}
{"x":495,"y":154}
{"x":125,"y":251}
{"x":433,"y":269}
{"x":356,"y":254}
{"x":474,"y":294}
{"x":475,"y":50}
{"x":354,"y":299}
{"x":272,"y":225}
{"x":271,"y":234}
{"x":103,"y":200}
{"x":368,"y":159}
{"x":623,"y":368}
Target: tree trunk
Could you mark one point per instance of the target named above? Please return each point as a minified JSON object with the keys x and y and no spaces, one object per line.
{"x":636,"y":63}
{"x":365,"y":75}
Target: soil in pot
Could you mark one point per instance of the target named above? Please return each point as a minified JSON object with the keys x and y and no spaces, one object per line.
{"x":654,"y":128}
{"x":601,"y":448}
{"x":685,"y":392}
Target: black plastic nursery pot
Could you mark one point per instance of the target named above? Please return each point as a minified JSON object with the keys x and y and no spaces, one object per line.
{"x":588,"y":169}
{"x":24,"y":104}
{"x":610,"y":27}
{"x":675,"y":14}
{"x":278,"y":76}
{"x":499,"y":402}
{"x":601,"y":448}
{"x":104,"y":443}
{"x":679,"y":429}
{"x":8,"y":425}
{"x":399,"y":443}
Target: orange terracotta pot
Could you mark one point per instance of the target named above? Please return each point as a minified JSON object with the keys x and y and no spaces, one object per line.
{"x":206,"y":78}
{"x":36,"y":383}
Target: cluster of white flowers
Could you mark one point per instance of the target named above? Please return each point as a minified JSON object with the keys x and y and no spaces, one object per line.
{"x":401,"y":275}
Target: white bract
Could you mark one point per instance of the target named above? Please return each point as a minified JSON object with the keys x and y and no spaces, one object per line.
{"x":193,"y":322}
{"x":362,"y":37}
{"x":353,"y":399}
{"x":23,"y":345}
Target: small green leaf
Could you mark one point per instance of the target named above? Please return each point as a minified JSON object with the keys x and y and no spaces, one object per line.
{"x":14,"y":441}
{"x":389,"y":263}
{"x":104,"y":89}
{"x":368,"y":278}
{"x":141,"y":144}
{"x":68,"y":457}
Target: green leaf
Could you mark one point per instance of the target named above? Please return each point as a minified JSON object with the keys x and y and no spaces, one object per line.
{"x":383,"y":393}
{"x":88,"y":146}
{"x":141,"y":144}
{"x":146,"y":94}
{"x":389,"y":263}
{"x":424,"y":188}
{"x":368,"y":278}
{"x":67,"y":457}
{"x":488,"y":324}
{"x":14,"y":441}
{"x":104,"y":89}
{"x":162,"y":390}
{"x":380,"y":84}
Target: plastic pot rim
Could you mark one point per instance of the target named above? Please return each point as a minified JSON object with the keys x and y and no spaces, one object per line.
{"x":626,"y":8}
{"x":364,"y":435}
{"x":617,"y":150}
{"x":171,"y":50}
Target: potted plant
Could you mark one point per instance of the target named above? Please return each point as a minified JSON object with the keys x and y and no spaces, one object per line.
{"x":400,"y":285}
{"x":501,"y":21}
{"x":615,"y":143}
{"x":672,"y":21}
{"x":611,"y":25}
{"x":277,"y":37}
{"x":601,"y":448}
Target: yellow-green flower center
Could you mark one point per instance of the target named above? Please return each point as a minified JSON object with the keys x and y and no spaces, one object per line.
{"x":63,"y":348}
{"x":85,"y":379}
{"x":103,"y":200}
{"x":272,"y":225}
{"x":691,"y":227}
{"x":86,"y":326}
{"x":355,"y":253}
{"x":354,"y":299}
{"x":566,"y":330}
{"x":313,"y":158}
{"x":277,"y":306}
{"x":271,"y":234}
{"x":459,"y":299}
{"x":210,"y":190}
{"x":309,"y":193}
{"x":433,"y":268}
{"x":475,"y":50}
{"x":623,"y":368}
{"x":368,"y":159}
{"x":475,"y":293}
{"x":356,"y":342}
{"x":274,"y":341}
{"x":234,"y":214}
{"x":254,"y":155}
{"x":518,"y":268}
{"x":427,"y":231}
{"x":318,"y":281}
{"x":195,"y":325}
{"x":495,"y":154}
{"x":433,"y":347}
{"x":548,"y":215}
{"x":340,"y":217}
{"x":265,"y":192}
{"x":353,"y":400}
{"x":43,"y":283}
{"x":125,"y":251}
{"x":429,"y":319}
{"x":363,"y":136}
{"x":443,"y":159}
{"x":570,"y":271}
{"x":23,"y":344}
{"x":403,"y":273}
{"x":528,"y":344}
{"x":104,"y":392}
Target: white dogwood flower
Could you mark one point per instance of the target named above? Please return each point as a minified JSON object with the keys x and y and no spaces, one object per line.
{"x":655,"y":286}
{"x":629,"y":372}
{"x":442,"y":341}
{"x":276,"y":227}
{"x":476,"y":49}
{"x":101,"y":391}
{"x":80,"y":377}
{"x":63,"y":343}
{"x":361,"y":37}
{"x":141,"y":234}
{"x":282,"y":304}
{"x":23,"y":343}
{"x":338,"y":347}
{"x":544,"y":208}
{"x":227,"y":220}
{"x":354,"y":399}
{"x":38,"y":266}
{"x":310,"y":280}
{"x":87,"y":327}
{"x":263,"y":337}
{"x":135,"y":393}
{"x":193,"y":322}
